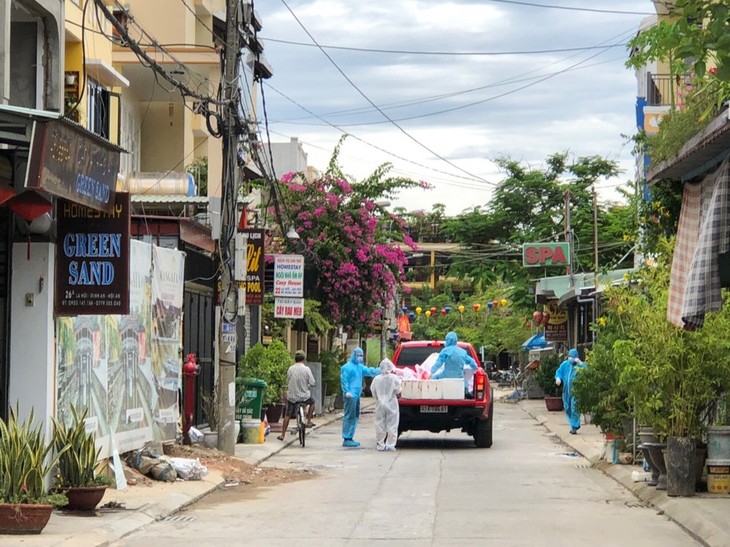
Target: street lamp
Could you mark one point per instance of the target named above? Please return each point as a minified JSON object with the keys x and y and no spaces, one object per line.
{"x":292,"y":234}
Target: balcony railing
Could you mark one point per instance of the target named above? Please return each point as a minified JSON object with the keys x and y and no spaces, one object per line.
{"x":661,"y":89}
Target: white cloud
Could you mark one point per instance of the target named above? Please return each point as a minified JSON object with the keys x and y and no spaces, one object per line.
{"x":583,"y":105}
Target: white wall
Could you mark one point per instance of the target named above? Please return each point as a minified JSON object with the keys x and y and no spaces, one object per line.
{"x":32,"y":355}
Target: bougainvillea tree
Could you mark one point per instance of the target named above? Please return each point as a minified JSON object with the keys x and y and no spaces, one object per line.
{"x":349,"y":240}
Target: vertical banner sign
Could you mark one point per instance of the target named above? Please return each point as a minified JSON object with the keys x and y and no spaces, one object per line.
{"x":167,"y":299}
{"x":92,"y":262}
{"x":289,"y":286}
{"x":254,"y":266}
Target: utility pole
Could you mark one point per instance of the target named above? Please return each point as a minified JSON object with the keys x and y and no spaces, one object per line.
{"x":229,"y":291}
{"x":595,"y":253}
{"x":568,"y":235}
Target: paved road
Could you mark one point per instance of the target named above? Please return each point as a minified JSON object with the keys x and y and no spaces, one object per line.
{"x":436,"y":490}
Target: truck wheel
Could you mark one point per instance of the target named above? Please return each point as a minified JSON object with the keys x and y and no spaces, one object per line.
{"x":483,"y":433}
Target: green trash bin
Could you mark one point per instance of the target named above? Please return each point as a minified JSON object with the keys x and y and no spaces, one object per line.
{"x":249,"y":406}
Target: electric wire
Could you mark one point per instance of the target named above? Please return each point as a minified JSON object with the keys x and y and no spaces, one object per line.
{"x":442,"y":53}
{"x":572,"y":8}
{"x":395,"y":124}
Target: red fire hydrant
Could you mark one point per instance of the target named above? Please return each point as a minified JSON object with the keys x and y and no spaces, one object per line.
{"x":190,"y":371}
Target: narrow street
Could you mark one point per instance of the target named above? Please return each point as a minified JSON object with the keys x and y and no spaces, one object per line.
{"x":437,"y":489}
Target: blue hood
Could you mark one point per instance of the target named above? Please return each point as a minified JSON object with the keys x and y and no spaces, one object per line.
{"x":573,"y":353}
{"x":451,"y":339}
{"x":357,"y":352}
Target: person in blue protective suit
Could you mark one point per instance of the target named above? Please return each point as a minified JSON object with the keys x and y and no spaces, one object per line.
{"x":564,"y":376}
{"x":351,"y":374}
{"x":453,"y":359}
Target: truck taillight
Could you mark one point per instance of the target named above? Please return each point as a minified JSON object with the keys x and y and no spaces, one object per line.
{"x":479,"y":383}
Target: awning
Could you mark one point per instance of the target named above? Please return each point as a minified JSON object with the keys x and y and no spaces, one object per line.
{"x":536,"y":341}
{"x":569,"y":287}
{"x":104,"y":73}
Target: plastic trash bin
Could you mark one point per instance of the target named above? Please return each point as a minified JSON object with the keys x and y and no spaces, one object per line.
{"x":249,"y":407}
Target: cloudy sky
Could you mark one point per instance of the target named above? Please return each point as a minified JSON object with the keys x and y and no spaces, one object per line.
{"x":442,"y":88}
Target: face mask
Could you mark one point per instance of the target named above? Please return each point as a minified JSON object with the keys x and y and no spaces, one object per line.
{"x":360,"y":360}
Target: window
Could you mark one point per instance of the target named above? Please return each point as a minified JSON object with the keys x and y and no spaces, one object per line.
{"x":98,"y":109}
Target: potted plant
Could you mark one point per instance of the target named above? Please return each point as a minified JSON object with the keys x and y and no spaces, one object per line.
{"x":211,"y":412}
{"x":545,"y":378}
{"x":25,"y":462}
{"x":77,"y":462}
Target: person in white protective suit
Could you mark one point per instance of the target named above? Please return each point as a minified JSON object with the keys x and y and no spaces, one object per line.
{"x":385,"y":389}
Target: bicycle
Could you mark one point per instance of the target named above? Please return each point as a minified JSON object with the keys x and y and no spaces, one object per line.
{"x":301,"y":423}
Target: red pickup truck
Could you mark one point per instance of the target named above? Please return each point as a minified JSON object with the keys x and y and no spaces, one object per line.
{"x":473,"y":416}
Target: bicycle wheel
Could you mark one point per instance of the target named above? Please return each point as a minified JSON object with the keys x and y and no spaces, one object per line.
{"x":301,"y":425}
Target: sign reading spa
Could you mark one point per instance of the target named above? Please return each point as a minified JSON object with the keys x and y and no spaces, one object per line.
{"x":545,"y":254}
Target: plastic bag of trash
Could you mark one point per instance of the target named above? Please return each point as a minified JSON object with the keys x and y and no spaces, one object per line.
{"x":189,"y":469}
{"x":195,"y":435}
{"x":147,"y":461}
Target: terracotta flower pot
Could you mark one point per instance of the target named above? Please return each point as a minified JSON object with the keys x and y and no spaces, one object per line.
{"x":554,"y":403}
{"x":84,"y":498}
{"x":23,"y":518}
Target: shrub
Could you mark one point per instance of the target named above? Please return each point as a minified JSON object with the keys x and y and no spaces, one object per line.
{"x":545,"y":375}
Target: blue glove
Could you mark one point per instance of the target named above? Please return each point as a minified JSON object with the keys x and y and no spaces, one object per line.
{"x":348,"y":395}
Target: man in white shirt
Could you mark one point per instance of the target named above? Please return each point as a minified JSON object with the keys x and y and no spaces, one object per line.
{"x":299,"y":380}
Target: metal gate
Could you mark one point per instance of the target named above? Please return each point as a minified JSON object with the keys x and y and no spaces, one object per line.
{"x":198,"y":331}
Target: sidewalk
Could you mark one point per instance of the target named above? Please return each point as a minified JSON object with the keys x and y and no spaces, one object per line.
{"x":704,"y":516}
{"x":145,"y":504}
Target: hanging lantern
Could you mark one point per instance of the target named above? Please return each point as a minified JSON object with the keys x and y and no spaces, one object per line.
{"x":503,"y":302}
{"x":443,"y":311}
{"x":461,"y":308}
{"x":29,"y":205}
{"x":448,"y":309}
{"x":537,"y":317}
{"x":496,"y":303}
{"x":6,"y":193}
{"x":490,"y":304}
{"x":433,"y":310}
{"x":476,"y":307}
{"x":404,"y":309}
{"x":428,"y":313}
{"x":411,"y":316}
{"x":545,"y":318}
{"x":419,"y":310}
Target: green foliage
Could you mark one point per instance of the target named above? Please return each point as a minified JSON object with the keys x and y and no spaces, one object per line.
{"x":268,"y":363}
{"x":499,"y":329}
{"x":545,"y":375}
{"x":672,"y":375}
{"x":659,"y":215}
{"x":529,"y":206}
{"x":596,"y":388}
{"x":679,"y":37}
{"x":78,"y":455}
{"x":25,"y":462}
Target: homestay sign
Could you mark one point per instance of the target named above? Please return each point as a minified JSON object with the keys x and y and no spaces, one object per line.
{"x":289,"y":276}
{"x":92,"y":259}
{"x":545,"y":254}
